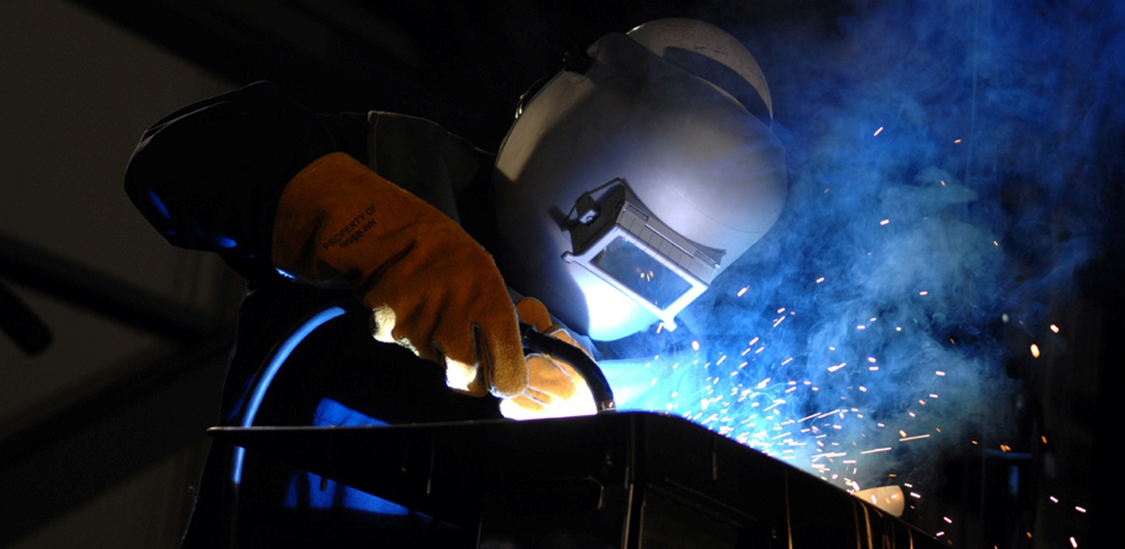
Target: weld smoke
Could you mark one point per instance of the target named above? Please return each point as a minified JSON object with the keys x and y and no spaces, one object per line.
{"x":946,"y":166}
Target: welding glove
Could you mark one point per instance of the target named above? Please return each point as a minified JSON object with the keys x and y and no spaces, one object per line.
{"x":430,"y":286}
{"x":554,"y":388}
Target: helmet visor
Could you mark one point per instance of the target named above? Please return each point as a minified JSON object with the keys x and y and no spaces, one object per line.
{"x":620,"y":242}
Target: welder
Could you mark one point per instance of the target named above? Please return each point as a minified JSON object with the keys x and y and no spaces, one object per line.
{"x":628,"y":182}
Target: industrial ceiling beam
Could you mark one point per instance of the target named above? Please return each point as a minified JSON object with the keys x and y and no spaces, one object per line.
{"x":105,"y":295}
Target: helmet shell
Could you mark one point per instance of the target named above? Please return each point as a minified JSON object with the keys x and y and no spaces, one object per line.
{"x":693,"y":152}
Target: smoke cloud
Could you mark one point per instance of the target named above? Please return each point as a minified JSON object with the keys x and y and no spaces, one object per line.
{"x":949,"y":164}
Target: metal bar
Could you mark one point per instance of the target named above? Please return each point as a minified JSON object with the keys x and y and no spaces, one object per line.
{"x":114,"y":298}
{"x":30,"y":333}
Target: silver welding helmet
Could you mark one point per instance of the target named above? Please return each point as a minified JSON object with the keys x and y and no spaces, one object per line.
{"x":631,"y":179}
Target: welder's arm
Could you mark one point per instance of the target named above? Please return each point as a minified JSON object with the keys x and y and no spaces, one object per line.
{"x":255,"y":176}
{"x":208,"y":176}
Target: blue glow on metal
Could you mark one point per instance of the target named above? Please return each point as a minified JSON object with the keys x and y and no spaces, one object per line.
{"x":331,"y":412}
{"x":280,"y":355}
{"x":309,"y":490}
{"x":223,"y":242}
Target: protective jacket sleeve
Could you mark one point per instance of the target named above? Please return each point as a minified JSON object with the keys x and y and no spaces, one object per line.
{"x":208,"y":176}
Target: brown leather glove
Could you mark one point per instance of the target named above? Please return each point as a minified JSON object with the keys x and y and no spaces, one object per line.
{"x":554,"y":388}
{"x":430,"y":286}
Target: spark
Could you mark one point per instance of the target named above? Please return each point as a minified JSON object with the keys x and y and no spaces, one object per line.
{"x":743,"y":291}
{"x":915,"y":437}
{"x":878,"y":131}
{"x":923,"y":292}
{"x":1054,"y":499}
{"x":1080,"y":509}
{"x":957,"y":141}
{"x":871,"y":359}
{"x":940,"y":373}
{"x":1073,"y":542}
{"x":774,"y":405}
{"x":875,"y":451}
{"x":947,"y":520}
{"x":819,"y":280}
{"x":1054,"y":328}
{"x":885,"y":222}
{"x":1034,"y":350}
{"x":695,"y":345}
{"x":660,"y":328}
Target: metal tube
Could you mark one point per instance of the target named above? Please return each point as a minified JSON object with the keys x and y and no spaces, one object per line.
{"x":59,"y":277}
{"x":30,"y":333}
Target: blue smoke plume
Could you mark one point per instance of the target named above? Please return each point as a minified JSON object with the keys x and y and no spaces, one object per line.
{"x":947,"y":166}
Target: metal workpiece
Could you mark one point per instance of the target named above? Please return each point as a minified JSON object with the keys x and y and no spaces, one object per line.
{"x":625,"y":480}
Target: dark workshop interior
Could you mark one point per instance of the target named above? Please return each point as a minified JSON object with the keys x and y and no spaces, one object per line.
{"x":115,"y":343}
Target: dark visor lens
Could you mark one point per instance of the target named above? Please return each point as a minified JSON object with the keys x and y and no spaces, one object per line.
{"x":641,"y":273}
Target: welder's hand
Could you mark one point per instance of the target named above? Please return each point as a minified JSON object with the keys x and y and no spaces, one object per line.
{"x":554,"y":389}
{"x":430,"y":286}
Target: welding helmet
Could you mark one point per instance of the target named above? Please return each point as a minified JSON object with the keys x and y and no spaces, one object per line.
{"x":635,"y":176}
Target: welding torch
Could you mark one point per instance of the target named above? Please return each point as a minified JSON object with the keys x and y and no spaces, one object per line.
{"x":536,"y":342}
